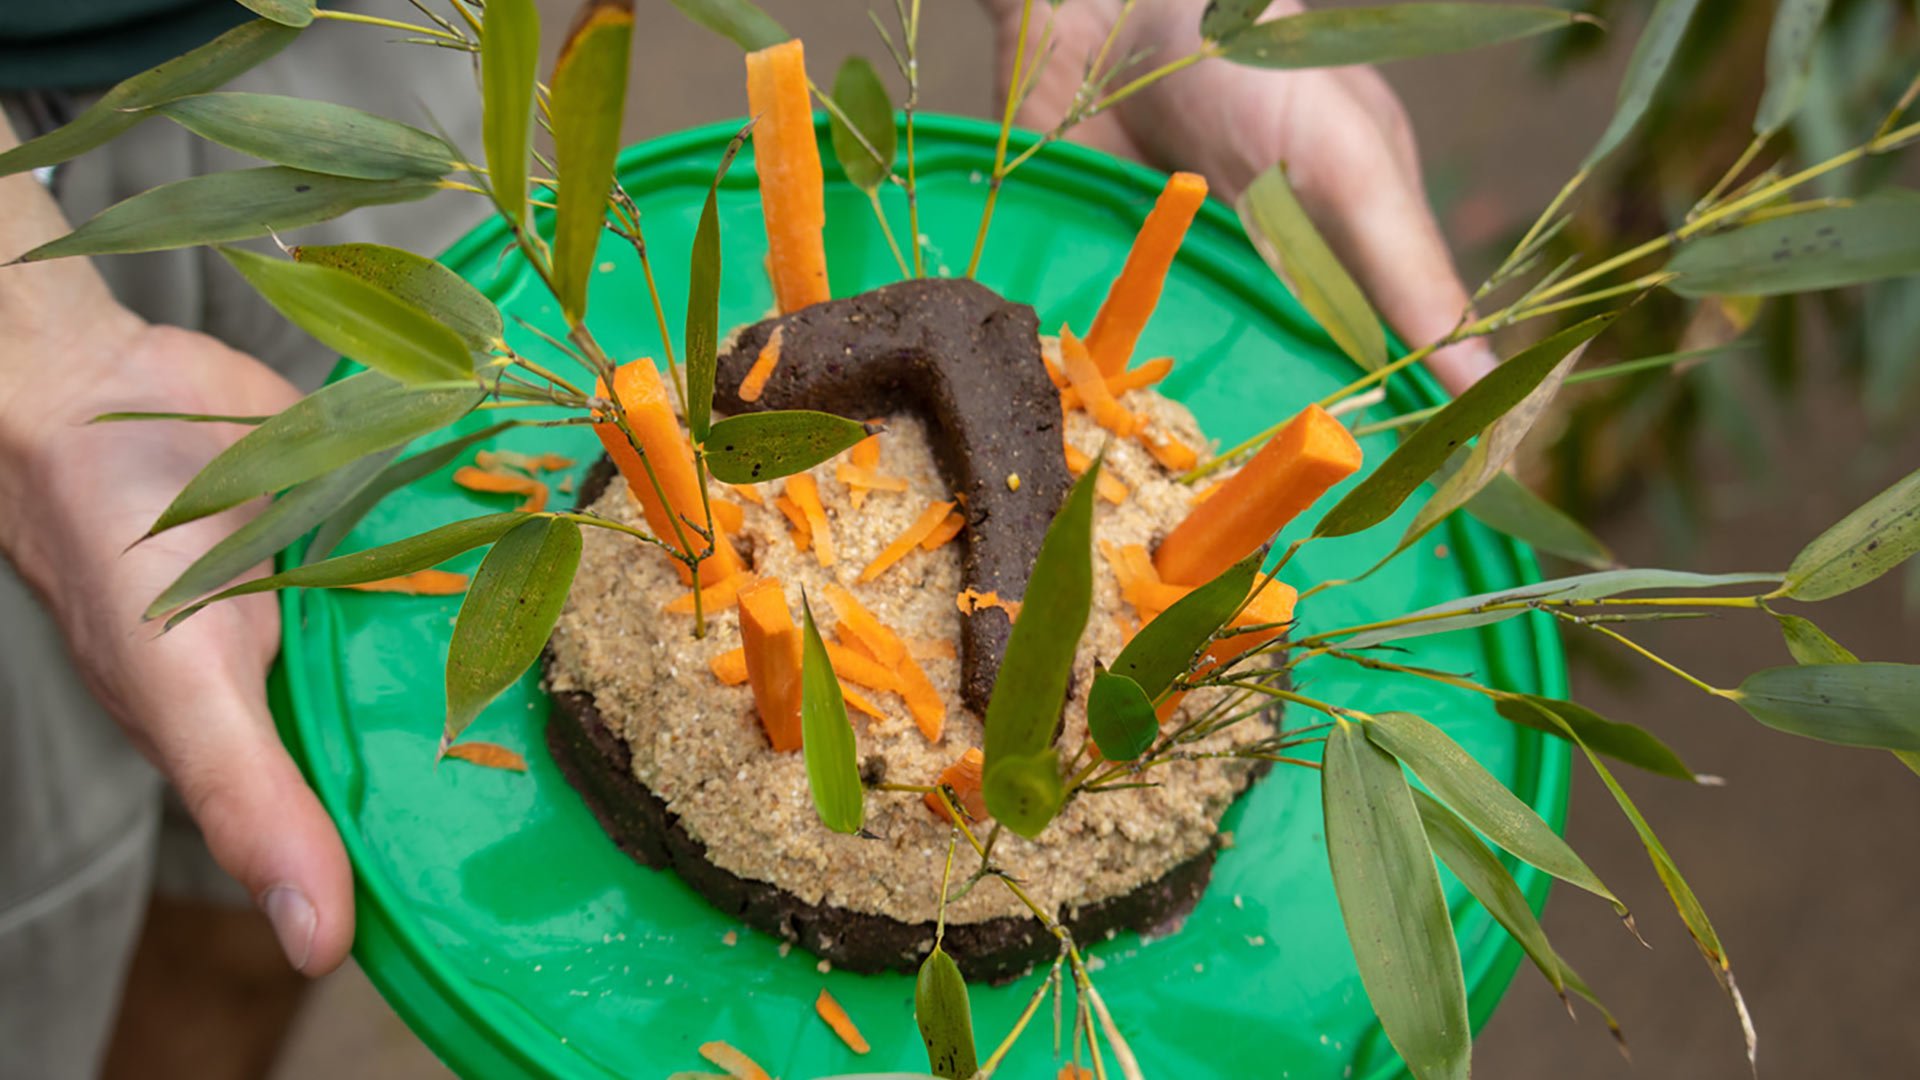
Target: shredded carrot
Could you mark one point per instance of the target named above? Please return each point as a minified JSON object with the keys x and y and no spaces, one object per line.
{"x":1070,"y":1071}
{"x":787,"y":157}
{"x":1313,"y":452}
{"x":1091,"y":386}
{"x":1136,"y":377}
{"x":1106,"y":485}
{"x":923,"y":701}
{"x":802,"y":531}
{"x":859,"y":701}
{"x":729,"y":516}
{"x":1131,"y":299}
{"x":552,"y":462}
{"x":922,"y":527}
{"x":771,"y":644}
{"x":866,"y":452}
{"x":805,"y":493}
{"x":972,"y":600}
{"x":1053,"y":372}
{"x":715,"y":597}
{"x":650,"y":415}
{"x":730,"y":667}
{"x":842,"y":1024}
{"x":858,"y":668}
{"x":503,"y":483}
{"x":855,"y":476}
{"x":418,"y":583}
{"x":865,"y":455}
{"x":488,"y":755}
{"x":749,"y":492}
{"x":963,"y":777}
{"x":738,"y":1065}
{"x":944,"y":532}
{"x":494,"y":460}
{"x":856,"y":644}
{"x":755,"y":381}
{"x":1175,"y":455}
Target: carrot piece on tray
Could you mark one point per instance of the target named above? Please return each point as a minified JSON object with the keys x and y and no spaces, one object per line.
{"x":1091,"y":386}
{"x":944,"y":532}
{"x":787,"y":157}
{"x":487,"y":755}
{"x":1131,"y":299}
{"x":418,"y":583}
{"x":496,"y":482}
{"x":738,"y":1065}
{"x":922,"y":527}
{"x":650,"y":414}
{"x":923,"y":701}
{"x":1070,"y":1071}
{"x":842,"y":1024}
{"x":1106,"y":485}
{"x":1310,"y":454}
{"x":963,"y":777}
{"x":805,"y":493}
{"x":771,"y":643}
{"x":730,"y":667}
{"x":755,"y":381}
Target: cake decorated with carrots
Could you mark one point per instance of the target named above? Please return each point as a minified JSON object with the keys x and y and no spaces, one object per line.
{"x":912,"y":552}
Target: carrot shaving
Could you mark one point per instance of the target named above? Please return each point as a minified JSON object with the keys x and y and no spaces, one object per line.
{"x":1135,"y":378}
{"x":923,"y":701}
{"x":842,"y":1024}
{"x":859,"y":701}
{"x":418,"y":583}
{"x":749,"y":492}
{"x":802,"y":532}
{"x":1106,"y":485}
{"x":1053,"y":372}
{"x":856,"y":644}
{"x":866,"y":452}
{"x":737,"y":1065}
{"x":805,"y":493}
{"x":503,"y":483}
{"x":860,"y":669}
{"x":972,"y":600}
{"x":922,"y":527}
{"x":1170,"y":452}
{"x":787,"y":157}
{"x":728,"y":516}
{"x":715,"y":597}
{"x":944,"y":532}
{"x":487,"y":755}
{"x":730,"y":667}
{"x":932,"y":649}
{"x":1131,"y":299}
{"x":855,"y":476}
{"x":755,"y":381}
{"x":963,"y":778}
{"x":1091,"y":386}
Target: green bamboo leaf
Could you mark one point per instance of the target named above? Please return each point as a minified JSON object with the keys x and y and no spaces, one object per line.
{"x":508,"y":614}
{"x":760,"y":446}
{"x":1861,"y":546}
{"x":295,"y":13}
{"x":589,"y":93}
{"x":1652,"y":55}
{"x":1623,"y":742}
{"x":313,"y":135}
{"x":391,"y":479}
{"x":419,"y":281}
{"x":360,"y":321}
{"x":826,"y":736}
{"x":946,"y":1021}
{"x":1286,"y":238}
{"x":422,"y":552}
{"x":290,"y":516}
{"x":191,"y":418}
{"x":1165,"y":647}
{"x":861,"y":95}
{"x":1510,"y":507}
{"x":206,"y":68}
{"x":740,"y":21}
{"x":1790,"y":45}
{"x":1429,"y":447}
{"x":1480,"y":870}
{"x":1120,"y":716}
{"x":1225,"y":19}
{"x":509,"y":57}
{"x":1456,"y":779}
{"x":359,"y":415}
{"x":1852,"y":704}
{"x":1809,"y":644}
{"x":219,"y":208}
{"x":1872,"y":238}
{"x":702,"y":340}
{"x":1395,"y":913}
{"x":1373,"y":35}
{"x":1022,"y":780}
{"x":1471,"y":611}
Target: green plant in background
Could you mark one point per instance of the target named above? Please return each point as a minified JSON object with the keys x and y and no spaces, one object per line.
{"x":436,"y":352}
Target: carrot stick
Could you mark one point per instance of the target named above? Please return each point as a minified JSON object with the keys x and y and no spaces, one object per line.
{"x":729,"y":516}
{"x":946,"y":531}
{"x":650,"y":414}
{"x":1310,"y":454}
{"x":857,"y":476}
{"x":755,"y":381}
{"x":1131,"y":300}
{"x":1106,"y":485}
{"x":488,"y":755}
{"x":787,"y":156}
{"x":418,"y":583}
{"x":923,"y":701}
{"x":1170,"y":452}
{"x":503,"y":483}
{"x":730,"y":667}
{"x":963,"y":776}
{"x":802,"y":532}
{"x":1274,"y":604}
{"x":842,"y":1024}
{"x":771,"y":644}
{"x":1136,"y":377}
{"x":1091,"y":386}
{"x":866,"y":452}
{"x":855,"y":699}
{"x":922,"y":527}
{"x":859,"y":669}
{"x":805,"y":493}
{"x":738,"y":1065}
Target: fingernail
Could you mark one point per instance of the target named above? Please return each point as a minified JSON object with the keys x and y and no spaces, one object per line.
{"x":293,"y":922}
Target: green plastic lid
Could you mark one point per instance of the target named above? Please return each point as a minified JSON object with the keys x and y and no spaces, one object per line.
{"x":514,"y":937}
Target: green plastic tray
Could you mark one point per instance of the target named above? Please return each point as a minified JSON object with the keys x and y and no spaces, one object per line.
{"x":517,"y":941}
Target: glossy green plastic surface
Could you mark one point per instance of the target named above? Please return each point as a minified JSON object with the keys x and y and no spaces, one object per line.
{"x":514,"y":937}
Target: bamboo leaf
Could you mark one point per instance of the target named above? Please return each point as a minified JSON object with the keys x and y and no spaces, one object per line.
{"x":1623,"y":742}
{"x":1120,"y":716}
{"x":191,"y":418}
{"x":1286,"y":238}
{"x":1225,"y":19}
{"x":391,"y":479}
{"x":1860,"y":547}
{"x":1429,"y":447}
{"x":508,"y":614}
{"x":946,"y":1021}
{"x":422,"y":552}
{"x":826,"y":736}
{"x":1652,"y":55}
{"x":222,"y":207}
{"x":509,"y":56}
{"x":740,"y":21}
{"x":1395,"y":913}
{"x":1790,"y":44}
{"x":861,"y":95}
{"x":1509,"y":506}
{"x":317,"y":136}
{"x":1473,"y":610}
{"x":359,"y":415}
{"x":589,"y":92}
{"x":702,"y":340}
{"x":1809,"y":644}
{"x":755,"y":447}
{"x":360,"y":321}
{"x":1372,"y":35}
{"x":295,"y":13}
{"x":1828,"y":248}
{"x":206,"y":68}
{"x":417,"y":280}
{"x":290,"y":516}
{"x":1165,"y":647}
{"x":1852,"y":704}
{"x":1021,"y":778}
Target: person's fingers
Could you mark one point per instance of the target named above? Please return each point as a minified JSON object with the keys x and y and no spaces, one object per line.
{"x":1070,"y":33}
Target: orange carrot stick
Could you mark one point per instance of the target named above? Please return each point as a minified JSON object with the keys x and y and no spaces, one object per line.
{"x":729,"y":516}
{"x":922,"y":527}
{"x":805,"y":493}
{"x":1170,"y":452}
{"x":418,"y":583}
{"x":859,"y":701}
{"x":1310,"y":454}
{"x":503,"y":483}
{"x":866,"y":452}
{"x":487,"y":755}
{"x":963,"y":776}
{"x":650,"y":414}
{"x":772,"y":647}
{"x":802,"y":532}
{"x":1106,"y":485}
{"x":923,"y":701}
{"x":857,"y":476}
{"x":1091,"y":386}
{"x":787,"y":157}
{"x":755,"y":381}
{"x":1274,"y":604}
{"x":842,"y":1024}
{"x":1131,"y":300}
{"x":738,"y":1065}
{"x":946,"y":531}
{"x":860,"y":669}
{"x":1136,"y":377}
{"x":730,"y":667}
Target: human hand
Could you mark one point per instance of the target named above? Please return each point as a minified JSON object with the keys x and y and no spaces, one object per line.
{"x":1341,"y":133}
